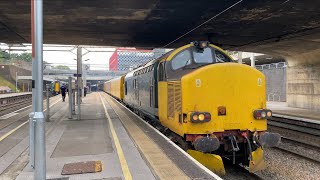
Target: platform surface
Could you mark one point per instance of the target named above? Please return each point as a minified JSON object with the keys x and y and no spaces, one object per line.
{"x":107,"y":132}
{"x":13,"y":94}
{"x":282,"y":108}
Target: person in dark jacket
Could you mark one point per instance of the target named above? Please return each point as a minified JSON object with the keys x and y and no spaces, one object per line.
{"x":85,"y":91}
{"x":63,"y":90}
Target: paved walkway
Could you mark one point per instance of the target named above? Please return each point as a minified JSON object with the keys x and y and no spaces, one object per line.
{"x":90,"y":139}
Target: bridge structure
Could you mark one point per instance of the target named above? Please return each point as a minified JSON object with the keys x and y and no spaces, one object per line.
{"x":286,"y":28}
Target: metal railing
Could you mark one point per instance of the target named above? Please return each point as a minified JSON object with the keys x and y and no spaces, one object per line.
{"x":272,"y":66}
{"x":274,"y":97}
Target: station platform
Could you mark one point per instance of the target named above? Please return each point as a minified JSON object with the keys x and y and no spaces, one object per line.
{"x":281,"y":108}
{"x":13,"y":94}
{"x":107,"y":133}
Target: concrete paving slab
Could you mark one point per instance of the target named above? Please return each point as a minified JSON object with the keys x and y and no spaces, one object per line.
{"x":88,"y":137}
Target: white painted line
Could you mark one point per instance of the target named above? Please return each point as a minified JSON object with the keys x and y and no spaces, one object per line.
{"x":5,"y":116}
{"x":22,"y":108}
{"x":173,"y":144}
{"x":297,"y":118}
{"x":8,"y":115}
{"x":13,"y":130}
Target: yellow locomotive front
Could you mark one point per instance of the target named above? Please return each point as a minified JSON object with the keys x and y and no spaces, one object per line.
{"x":219,"y":107}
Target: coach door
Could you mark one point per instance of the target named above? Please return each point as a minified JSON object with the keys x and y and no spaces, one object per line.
{"x":136,"y":90}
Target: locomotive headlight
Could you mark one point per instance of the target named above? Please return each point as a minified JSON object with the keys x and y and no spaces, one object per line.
{"x":269,"y":113}
{"x":203,"y":44}
{"x":195,"y":117}
{"x":201,"y":117}
{"x":262,"y":113}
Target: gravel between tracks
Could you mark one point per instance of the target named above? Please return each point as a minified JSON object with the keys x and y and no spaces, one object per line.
{"x":283,"y":165}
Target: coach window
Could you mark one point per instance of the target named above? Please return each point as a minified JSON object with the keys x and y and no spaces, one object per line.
{"x":125,"y":88}
{"x":134,"y":83}
{"x":182,"y":59}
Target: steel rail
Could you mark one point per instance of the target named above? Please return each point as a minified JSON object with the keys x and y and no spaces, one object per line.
{"x":300,"y":136}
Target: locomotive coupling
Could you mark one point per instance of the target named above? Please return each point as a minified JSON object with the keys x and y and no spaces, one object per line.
{"x":268,"y":139}
{"x":206,"y":144}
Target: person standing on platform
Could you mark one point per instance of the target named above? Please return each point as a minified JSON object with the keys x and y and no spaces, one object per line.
{"x":85,"y":91}
{"x":63,"y":92}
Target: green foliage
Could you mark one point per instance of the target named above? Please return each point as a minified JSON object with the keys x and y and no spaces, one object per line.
{"x":4,"y":56}
{"x":5,"y":82}
{"x":62,"y":67}
{"x":25,"y":57}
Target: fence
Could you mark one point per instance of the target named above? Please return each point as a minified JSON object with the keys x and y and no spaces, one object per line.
{"x":275,"y":80}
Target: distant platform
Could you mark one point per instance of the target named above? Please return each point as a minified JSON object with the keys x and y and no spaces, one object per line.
{"x":13,"y":94}
{"x":281,"y":108}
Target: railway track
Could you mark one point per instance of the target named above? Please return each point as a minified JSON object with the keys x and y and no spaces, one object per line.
{"x":300,"y":136}
{"x":11,"y":103}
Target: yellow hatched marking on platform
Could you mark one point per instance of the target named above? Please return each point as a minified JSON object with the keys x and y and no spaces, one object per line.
{"x":123,"y":162}
{"x":13,"y":130}
{"x":158,"y":160}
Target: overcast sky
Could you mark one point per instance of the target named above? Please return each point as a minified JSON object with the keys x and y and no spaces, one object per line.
{"x":98,"y":60}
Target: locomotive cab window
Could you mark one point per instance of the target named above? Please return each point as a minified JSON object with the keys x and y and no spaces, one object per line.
{"x":221,"y":57}
{"x":203,"y":56}
{"x":182,"y":59}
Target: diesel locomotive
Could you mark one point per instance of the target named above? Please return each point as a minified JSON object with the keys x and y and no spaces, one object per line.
{"x":212,"y":106}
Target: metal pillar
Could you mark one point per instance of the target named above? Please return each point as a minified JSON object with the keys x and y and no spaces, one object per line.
{"x":240,"y":57}
{"x":34,"y":67}
{"x":40,"y":149}
{"x":253,"y":60}
{"x":47,"y":103}
{"x":31,"y":137}
{"x":84,"y":78}
{"x":70,"y":97}
{"x":79,"y":83}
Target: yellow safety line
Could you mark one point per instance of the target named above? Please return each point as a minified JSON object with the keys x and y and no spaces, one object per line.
{"x":123,"y":162}
{"x":13,"y":130}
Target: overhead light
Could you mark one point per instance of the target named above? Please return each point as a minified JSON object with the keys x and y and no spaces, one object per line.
{"x":269,"y":58}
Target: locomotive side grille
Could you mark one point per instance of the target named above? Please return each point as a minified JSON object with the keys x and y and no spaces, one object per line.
{"x":170,"y":100}
{"x":177,"y":97}
{"x":174,"y":98}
